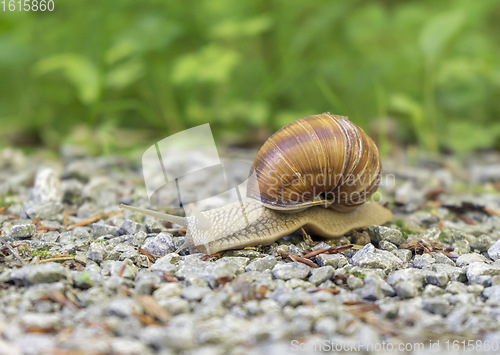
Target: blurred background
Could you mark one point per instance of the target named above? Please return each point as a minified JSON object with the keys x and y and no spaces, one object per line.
{"x":116,"y":76}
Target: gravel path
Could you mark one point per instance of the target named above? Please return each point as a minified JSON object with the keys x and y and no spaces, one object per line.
{"x":116,"y":285}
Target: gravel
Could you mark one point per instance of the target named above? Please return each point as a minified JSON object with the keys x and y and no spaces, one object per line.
{"x":116,"y":285}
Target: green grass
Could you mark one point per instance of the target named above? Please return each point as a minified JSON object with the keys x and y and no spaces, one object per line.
{"x":118,"y":75}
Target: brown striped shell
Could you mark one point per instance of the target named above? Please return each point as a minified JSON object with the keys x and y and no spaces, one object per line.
{"x":320,"y":160}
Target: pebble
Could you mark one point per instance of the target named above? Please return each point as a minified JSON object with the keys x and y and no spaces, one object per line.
{"x":38,"y":274}
{"x":294,"y":270}
{"x":162,"y":244}
{"x":494,"y":251}
{"x":371,"y":258}
{"x":47,"y":187}
{"x":334,"y":260}
{"x":466,"y":259}
{"x":478,"y":269}
{"x":23,"y":231}
{"x":378,"y":234}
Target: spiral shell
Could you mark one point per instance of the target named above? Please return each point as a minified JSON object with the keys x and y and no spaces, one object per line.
{"x":320,"y":160}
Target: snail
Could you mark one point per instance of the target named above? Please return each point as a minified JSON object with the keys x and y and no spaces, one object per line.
{"x":317,"y":173}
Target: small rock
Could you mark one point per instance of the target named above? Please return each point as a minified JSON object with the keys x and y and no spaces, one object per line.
{"x":47,"y":187}
{"x":97,"y":252}
{"x":261,"y":264}
{"x":404,"y":254}
{"x":477,"y":269}
{"x":432,"y":291}
{"x":437,"y":305}
{"x":461,"y":247}
{"x":455,"y":287}
{"x":354,"y":282}
{"x":23,"y":231}
{"x":378,"y":233}
{"x":421,"y":261}
{"x":466,"y":259}
{"x":37,"y":274}
{"x":436,"y":278}
{"x":443,"y":259}
{"x":482,"y":243}
{"x":321,"y":274}
{"x":494,"y":251}
{"x":195,"y":293}
{"x":162,"y":244}
{"x":385,"y":245}
{"x":131,"y":227}
{"x":371,"y":258}
{"x":168,"y":290}
{"x":44,"y":211}
{"x":431,"y":234}
{"x":100,"y":229}
{"x":287,"y":271}
{"x":334,"y":260}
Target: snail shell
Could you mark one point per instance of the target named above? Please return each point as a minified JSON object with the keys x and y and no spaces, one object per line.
{"x":317,"y":160}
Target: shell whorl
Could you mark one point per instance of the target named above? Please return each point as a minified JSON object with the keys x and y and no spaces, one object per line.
{"x":320,"y":160}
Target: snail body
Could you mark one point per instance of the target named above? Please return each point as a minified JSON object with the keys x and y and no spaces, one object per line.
{"x":317,"y":172}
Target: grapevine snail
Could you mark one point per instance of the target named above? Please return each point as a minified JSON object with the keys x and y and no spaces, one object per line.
{"x":317,"y":172}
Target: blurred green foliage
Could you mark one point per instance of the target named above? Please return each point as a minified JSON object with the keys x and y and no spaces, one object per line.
{"x":111,"y":74}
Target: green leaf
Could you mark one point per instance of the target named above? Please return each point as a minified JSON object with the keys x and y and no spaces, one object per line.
{"x":211,"y":64}
{"x":437,"y":32}
{"x":78,"y":70}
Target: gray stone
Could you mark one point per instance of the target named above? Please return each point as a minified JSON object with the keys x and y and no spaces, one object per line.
{"x":437,"y":278}
{"x":432,"y":291}
{"x":431,"y":234}
{"x":482,"y":243}
{"x":287,"y":271}
{"x":146,"y":282}
{"x":461,"y":247}
{"x":492,"y":293}
{"x":123,"y":307}
{"x":407,"y":282}
{"x":422,"y":261}
{"x":453,"y":272}
{"x":455,"y":287}
{"x":23,"y":231}
{"x":131,"y":227}
{"x":374,"y":288}
{"x":175,"y":305}
{"x":371,"y":258}
{"x":494,"y":251}
{"x":404,"y":254}
{"x":162,"y":244}
{"x":321,"y":274}
{"x":477,"y":269}
{"x":443,"y":259}
{"x":261,"y":264}
{"x":385,"y":245}
{"x":195,"y":293}
{"x":437,"y":305}
{"x":72,"y":191}
{"x":334,"y":260}
{"x":100,"y":229}
{"x":354,"y":282}
{"x":466,"y":259}
{"x":171,"y":289}
{"x":97,"y":252}
{"x":223,"y":271}
{"x":44,"y":211}
{"x":378,"y":233}
{"x":114,"y":268}
{"x":47,"y":187}
{"x":38,"y":274}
